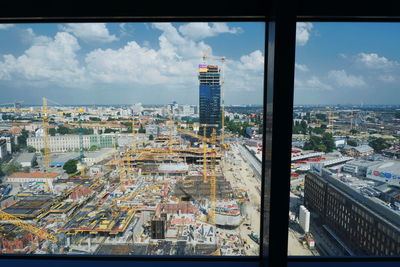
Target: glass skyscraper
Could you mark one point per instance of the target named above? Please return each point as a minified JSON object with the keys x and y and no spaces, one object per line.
{"x":210,"y":98}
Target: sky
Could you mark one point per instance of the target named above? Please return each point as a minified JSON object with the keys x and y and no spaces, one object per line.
{"x":347,"y":63}
{"x":126,"y":63}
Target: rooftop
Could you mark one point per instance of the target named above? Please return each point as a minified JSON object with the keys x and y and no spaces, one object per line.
{"x":34,"y":175}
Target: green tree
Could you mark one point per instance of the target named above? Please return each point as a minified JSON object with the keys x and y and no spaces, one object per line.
{"x":108,"y":130}
{"x":353,"y":131}
{"x":71,"y":166}
{"x":63,"y":130}
{"x":141,"y":129}
{"x":10,"y":168}
{"x":94,"y":119}
{"x":15,"y":147}
{"x":31,"y":149}
{"x":22,"y":138}
{"x":52,"y":131}
{"x":352,"y":142}
{"x":318,"y":130}
{"x":321,"y":116}
{"x":328,"y":141}
{"x":93,"y":148}
{"x":151,"y":137}
{"x":378,"y":143}
{"x":313,"y":143}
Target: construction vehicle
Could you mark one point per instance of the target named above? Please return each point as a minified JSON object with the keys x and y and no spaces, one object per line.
{"x":255,"y":237}
{"x":26,"y":226}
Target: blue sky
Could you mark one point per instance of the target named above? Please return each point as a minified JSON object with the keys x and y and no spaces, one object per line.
{"x":347,"y":63}
{"x":125,"y":63}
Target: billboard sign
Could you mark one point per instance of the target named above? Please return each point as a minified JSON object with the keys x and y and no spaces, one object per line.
{"x":386,"y":175}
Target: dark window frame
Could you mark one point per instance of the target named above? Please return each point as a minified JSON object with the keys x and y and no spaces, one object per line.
{"x":278,"y":82}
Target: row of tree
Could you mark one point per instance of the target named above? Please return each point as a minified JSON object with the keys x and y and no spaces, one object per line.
{"x":324,"y":143}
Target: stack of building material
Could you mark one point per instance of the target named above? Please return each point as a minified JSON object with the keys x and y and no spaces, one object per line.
{"x":80,"y":191}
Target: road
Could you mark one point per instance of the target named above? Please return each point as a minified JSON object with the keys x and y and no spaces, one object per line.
{"x":251,"y":159}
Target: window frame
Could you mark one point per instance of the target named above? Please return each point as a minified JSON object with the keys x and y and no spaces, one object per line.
{"x":280,"y":18}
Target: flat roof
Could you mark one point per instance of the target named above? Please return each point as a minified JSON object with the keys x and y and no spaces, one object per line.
{"x":34,"y":175}
{"x":25,"y":157}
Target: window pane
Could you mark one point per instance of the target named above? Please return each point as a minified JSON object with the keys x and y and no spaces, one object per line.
{"x":131,"y":138}
{"x":345,"y":181}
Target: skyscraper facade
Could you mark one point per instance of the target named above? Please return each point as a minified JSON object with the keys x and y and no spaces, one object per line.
{"x":209,"y":98}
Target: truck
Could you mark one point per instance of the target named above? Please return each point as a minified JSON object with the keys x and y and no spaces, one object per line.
{"x":255,"y":237}
{"x":310,"y":240}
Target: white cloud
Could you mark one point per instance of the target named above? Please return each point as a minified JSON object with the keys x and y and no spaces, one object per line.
{"x":137,"y":64}
{"x":6,"y":26}
{"x":374,"y":61}
{"x":201,"y":30}
{"x":29,"y":36}
{"x":90,"y":32}
{"x":386,"y":78}
{"x":311,"y":84}
{"x":52,"y":61}
{"x":301,"y":67}
{"x":303,"y":32}
{"x":254,"y":61}
{"x":342,"y":79}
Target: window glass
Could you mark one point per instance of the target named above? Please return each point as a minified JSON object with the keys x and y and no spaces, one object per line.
{"x":131,"y":138}
{"x":346,"y":135}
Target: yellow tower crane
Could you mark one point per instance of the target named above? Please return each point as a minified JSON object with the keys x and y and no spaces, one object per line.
{"x":45,"y":111}
{"x":213,"y":186}
{"x":26,"y":226}
{"x":205,"y":141}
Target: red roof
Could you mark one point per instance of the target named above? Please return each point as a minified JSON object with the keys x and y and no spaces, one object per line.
{"x":15,"y":130}
{"x":34,"y":175}
{"x":20,"y":123}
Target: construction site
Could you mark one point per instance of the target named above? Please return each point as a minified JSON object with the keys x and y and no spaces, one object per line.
{"x":184,"y":192}
{"x":173,"y":199}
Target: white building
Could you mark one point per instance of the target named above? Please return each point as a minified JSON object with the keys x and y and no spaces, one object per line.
{"x":304,"y":219}
{"x":25,"y":177}
{"x":92,"y":158}
{"x":64,"y":143}
{"x":137,"y":109}
{"x":9,"y":142}
{"x":3,"y":149}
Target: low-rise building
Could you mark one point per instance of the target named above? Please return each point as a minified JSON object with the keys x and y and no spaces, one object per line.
{"x":64,"y":143}
{"x":358,"y":151}
{"x":26,"y":159}
{"x":25,"y":177}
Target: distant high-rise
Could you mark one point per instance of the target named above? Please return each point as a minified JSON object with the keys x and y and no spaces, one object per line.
{"x":209,"y":98}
